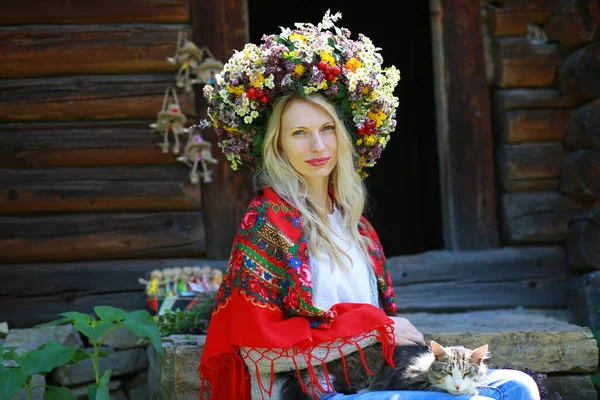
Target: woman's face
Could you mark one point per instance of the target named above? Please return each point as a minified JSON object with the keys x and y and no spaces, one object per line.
{"x":308,"y":139}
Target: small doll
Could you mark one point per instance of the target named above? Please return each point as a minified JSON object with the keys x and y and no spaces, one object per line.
{"x":153,"y":285}
{"x":197,"y":151}
{"x":167,"y":281}
{"x":216,"y":277}
{"x":184,"y":277}
{"x":208,"y":69}
{"x":187,"y":57}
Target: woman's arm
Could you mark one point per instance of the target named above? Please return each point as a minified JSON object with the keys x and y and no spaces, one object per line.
{"x":406,"y":333}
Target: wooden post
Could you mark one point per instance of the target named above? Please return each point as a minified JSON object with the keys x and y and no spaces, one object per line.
{"x":464,"y":126}
{"x":222,"y":26}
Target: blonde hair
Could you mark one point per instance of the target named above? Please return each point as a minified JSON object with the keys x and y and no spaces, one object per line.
{"x":350,"y":193}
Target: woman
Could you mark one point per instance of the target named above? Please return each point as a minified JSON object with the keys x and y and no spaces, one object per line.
{"x":307,"y":280}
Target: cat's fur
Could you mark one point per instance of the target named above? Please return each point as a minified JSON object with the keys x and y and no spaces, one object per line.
{"x":419,"y":367}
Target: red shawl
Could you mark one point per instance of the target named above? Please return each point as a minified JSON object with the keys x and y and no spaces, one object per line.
{"x":265,"y":300}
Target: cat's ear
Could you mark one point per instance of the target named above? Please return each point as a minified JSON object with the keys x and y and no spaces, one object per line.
{"x":479,"y":354}
{"x":438,"y":350}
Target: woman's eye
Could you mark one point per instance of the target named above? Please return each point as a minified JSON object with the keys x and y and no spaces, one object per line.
{"x":329,"y":128}
{"x":296,"y":133}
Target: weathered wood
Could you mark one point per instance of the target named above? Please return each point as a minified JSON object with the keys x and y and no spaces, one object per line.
{"x":518,"y":126}
{"x":47,"y":50}
{"x":580,"y":177}
{"x":87,"y":97}
{"x":574,"y":22}
{"x":530,"y":162}
{"x":582,"y":241}
{"x":579,"y":74}
{"x":55,"y":144}
{"x":84,"y":11}
{"x":465,"y":144}
{"x":69,"y":190}
{"x":227,"y":197}
{"x":534,"y":217}
{"x":510,"y":99}
{"x":584,"y":127}
{"x":101,"y":236}
{"x":511,"y":17}
{"x":520,"y":185}
{"x":520,"y":63}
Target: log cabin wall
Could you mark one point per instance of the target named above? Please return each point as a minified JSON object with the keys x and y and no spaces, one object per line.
{"x":81,"y":176}
{"x":545,"y":84}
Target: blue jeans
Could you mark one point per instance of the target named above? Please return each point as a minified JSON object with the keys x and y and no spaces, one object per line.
{"x":499,"y":384}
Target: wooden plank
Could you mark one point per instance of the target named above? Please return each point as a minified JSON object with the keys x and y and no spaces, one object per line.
{"x":580,"y":177}
{"x":520,"y":63}
{"x":584,"y":127}
{"x":536,"y":217}
{"x":465,"y":144}
{"x":71,"y":190}
{"x":87,"y":97}
{"x":101,"y":236}
{"x":517,"y":126}
{"x":49,"y":50}
{"x":56,"y":144}
{"x":226,"y":198}
{"x":532,"y":165}
{"x":511,"y":99}
{"x":582,"y":241}
{"x":84,"y":11}
{"x":574,"y":23}
{"x":511,"y":17}
{"x":579,"y":75}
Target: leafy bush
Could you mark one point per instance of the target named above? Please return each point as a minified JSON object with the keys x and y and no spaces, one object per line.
{"x":193,"y":321}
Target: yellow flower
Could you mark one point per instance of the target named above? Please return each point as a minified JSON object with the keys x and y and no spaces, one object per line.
{"x":365,"y":90}
{"x":237,"y":90}
{"x":359,"y":142}
{"x":353,"y":64}
{"x":297,"y":37}
{"x":382,"y":140}
{"x":257,"y":79}
{"x":328,"y":58}
{"x":370,"y":140}
{"x":299,"y":70}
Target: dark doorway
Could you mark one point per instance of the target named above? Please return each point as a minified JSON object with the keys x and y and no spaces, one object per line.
{"x":404,"y":185}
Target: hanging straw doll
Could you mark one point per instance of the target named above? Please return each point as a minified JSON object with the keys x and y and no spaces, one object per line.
{"x":208,"y":69}
{"x":170,"y":120}
{"x":187,"y":57}
{"x":198,"y":151}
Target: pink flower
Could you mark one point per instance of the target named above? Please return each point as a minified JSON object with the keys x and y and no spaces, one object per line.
{"x":305,"y":275}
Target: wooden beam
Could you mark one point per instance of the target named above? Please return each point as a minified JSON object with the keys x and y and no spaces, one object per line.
{"x":511,"y":99}
{"x":89,"y":12}
{"x":50,"y":50}
{"x":579,"y":75}
{"x":101,"y":236}
{"x":582,"y":241}
{"x":518,"y":126}
{"x":580,"y":177}
{"x":575,"y":22}
{"x":512,"y":17}
{"x":71,"y":190}
{"x":520,"y":63}
{"x":465,"y":144}
{"x":87,"y":97}
{"x":584,"y":127}
{"x":222,"y":26}
{"x":530,"y":166}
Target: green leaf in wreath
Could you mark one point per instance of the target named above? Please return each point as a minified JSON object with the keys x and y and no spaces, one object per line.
{"x":108,"y":313}
{"x":45,"y":358}
{"x":59,"y":393}
{"x":95,"y":331}
{"x":11,"y":381}
{"x":142,"y":324}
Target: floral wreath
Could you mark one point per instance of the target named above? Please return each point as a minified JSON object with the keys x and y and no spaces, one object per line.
{"x":302,"y":61}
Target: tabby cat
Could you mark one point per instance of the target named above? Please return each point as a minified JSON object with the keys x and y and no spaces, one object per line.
{"x":455,"y":370}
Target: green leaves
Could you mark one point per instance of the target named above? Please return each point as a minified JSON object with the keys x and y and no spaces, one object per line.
{"x":107,"y":313}
{"x":11,"y":380}
{"x":45,"y":358}
{"x":100,"y":391}
{"x":59,"y":393}
{"x":142,"y":324}
{"x":94,"y":329}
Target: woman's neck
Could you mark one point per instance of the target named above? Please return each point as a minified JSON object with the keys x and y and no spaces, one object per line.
{"x":319,"y":191}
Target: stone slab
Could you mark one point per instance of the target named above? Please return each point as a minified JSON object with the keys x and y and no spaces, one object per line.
{"x":29,"y":339}
{"x":583,"y":295}
{"x":519,"y":338}
{"x":3,"y":329}
{"x":80,"y":392}
{"x":573,"y":387}
{"x":121,"y":338}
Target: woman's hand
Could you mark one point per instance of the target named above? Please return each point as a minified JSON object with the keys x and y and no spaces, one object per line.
{"x":405,"y":332}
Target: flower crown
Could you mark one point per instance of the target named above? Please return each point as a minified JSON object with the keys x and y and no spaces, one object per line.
{"x":302,"y":61}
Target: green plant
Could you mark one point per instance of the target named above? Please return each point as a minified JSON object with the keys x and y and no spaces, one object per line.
{"x":51,"y":355}
{"x":193,"y":321}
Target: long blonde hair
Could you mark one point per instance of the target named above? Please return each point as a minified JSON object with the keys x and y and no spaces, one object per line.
{"x":350,"y":193}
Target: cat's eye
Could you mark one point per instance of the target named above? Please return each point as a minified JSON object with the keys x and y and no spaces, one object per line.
{"x":466,"y":374}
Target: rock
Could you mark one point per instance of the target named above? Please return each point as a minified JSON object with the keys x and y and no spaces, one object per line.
{"x":29,"y":339}
{"x":122,"y":338}
{"x":583,"y":295}
{"x":119,"y":395}
{"x":80,"y":392}
{"x":121,"y":362}
{"x":3,"y":329}
{"x":37,"y":393}
{"x":572,"y":387}
{"x":517,"y":338}
{"x":137,"y":388}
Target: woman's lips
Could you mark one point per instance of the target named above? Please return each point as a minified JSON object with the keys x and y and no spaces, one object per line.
{"x":317,"y":162}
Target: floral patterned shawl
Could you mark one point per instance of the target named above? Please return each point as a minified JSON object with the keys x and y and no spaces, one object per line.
{"x":265,"y":301}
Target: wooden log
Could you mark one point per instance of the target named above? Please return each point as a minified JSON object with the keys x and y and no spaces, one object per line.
{"x":517,"y":126}
{"x":575,"y":22}
{"x":87,"y":97}
{"x":511,"y":17}
{"x":86,"y":12}
{"x":48,"y":50}
{"x":584,"y":127}
{"x":536,"y":217}
{"x":580,"y":177}
{"x":579,"y":74}
{"x":520,"y":63}
{"x":520,"y":185}
{"x":56,"y":144}
{"x":101,"y":236}
{"x":511,"y":99}
{"x":532,"y":165}
{"x":69,"y":190}
{"x":582,"y":241}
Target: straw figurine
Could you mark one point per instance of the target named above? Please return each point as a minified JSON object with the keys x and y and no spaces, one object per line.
{"x":197,"y":151}
{"x":170,"y":121}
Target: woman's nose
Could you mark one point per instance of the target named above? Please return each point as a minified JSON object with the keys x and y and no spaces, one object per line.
{"x":316,"y":142}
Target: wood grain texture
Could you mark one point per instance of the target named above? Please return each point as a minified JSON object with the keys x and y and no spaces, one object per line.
{"x":574,"y":22}
{"x":101,"y":236}
{"x":518,"y":126}
{"x":511,"y":17}
{"x":511,"y":99}
{"x":579,"y":74}
{"x":50,"y":50}
{"x":584,"y":127}
{"x":87,"y":97}
{"x":580,"y":177}
{"x":84,"y":11}
{"x":582,"y":241}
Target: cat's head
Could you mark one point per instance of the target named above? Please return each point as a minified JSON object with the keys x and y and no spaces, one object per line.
{"x":457,"y":369}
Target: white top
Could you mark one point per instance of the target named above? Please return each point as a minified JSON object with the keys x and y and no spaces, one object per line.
{"x":356,"y":283}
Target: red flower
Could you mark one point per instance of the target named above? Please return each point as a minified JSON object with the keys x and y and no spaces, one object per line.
{"x":253,"y":286}
{"x":305,"y":276}
{"x":249,"y":219}
{"x":291,"y":301}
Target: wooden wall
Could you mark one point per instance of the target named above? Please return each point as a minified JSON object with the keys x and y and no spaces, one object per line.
{"x":81,"y":175}
{"x":545,"y":85}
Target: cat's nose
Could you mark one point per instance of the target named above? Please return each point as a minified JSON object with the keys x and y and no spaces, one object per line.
{"x":457,"y":387}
